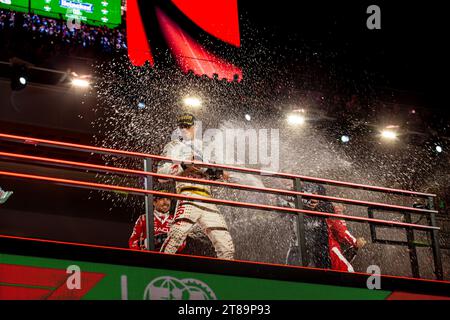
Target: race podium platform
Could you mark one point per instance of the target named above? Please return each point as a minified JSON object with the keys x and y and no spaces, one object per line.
{"x":41,"y":269}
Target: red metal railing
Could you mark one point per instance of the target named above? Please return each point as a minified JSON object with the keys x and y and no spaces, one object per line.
{"x":73,"y":146}
{"x":297,"y":194}
{"x":102,"y":168}
{"x":99,"y":186}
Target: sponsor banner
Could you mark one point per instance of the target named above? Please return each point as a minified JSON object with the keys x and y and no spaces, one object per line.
{"x":23,"y":277}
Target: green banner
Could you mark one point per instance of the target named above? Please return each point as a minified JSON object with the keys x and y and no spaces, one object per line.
{"x":24,"y":277}
{"x":96,"y":12}
{"x":16,"y":5}
{"x":92,"y":12}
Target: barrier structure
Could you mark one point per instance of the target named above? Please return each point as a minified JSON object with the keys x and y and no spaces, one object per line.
{"x":299,"y":211}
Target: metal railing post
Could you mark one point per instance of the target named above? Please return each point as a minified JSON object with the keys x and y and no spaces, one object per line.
{"x":435,"y":242}
{"x":373,"y":230}
{"x":412,"y":248}
{"x":300,"y":226}
{"x":148,"y":185}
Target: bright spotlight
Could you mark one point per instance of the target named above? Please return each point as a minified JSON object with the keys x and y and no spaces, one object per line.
{"x":19,"y":77}
{"x":193,"y":102}
{"x":141,"y":105}
{"x":295,"y":119}
{"x":248,"y":117}
{"x":389,"y":134}
{"x":81,"y":83}
{"x":438,"y":149}
{"x":345,"y":139}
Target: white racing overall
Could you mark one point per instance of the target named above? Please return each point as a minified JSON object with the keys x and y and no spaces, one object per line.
{"x":191,"y":213}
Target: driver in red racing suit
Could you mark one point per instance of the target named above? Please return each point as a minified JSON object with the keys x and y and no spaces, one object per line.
{"x":338,"y":234}
{"x":163,"y":219}
{"x":324,"y":237}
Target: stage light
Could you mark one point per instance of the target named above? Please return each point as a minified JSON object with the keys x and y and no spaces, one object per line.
{"x":19,"y":77}
{"x":81,"y":83}
{"x":248,"y":117}
{"x":141,"y":105}
{"x":296,"y":118}
{"x":389,"y":134}
{"x":438,"y":149}
{"x":192,"y":102}
{"x":345,"y":139}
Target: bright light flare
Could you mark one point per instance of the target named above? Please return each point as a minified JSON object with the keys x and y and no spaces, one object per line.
{"x":389,"y":134}
{"x":23,"y":80}
{"x":438,"y":149}
{"x":248,"y":117}
{"x":345,"y":139}
{"x":81,"y":83}
{"x":295,"y":119}
{"x":193,"y":102}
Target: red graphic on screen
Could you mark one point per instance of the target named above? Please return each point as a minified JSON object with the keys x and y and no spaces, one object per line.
{"x":138,"y":46}
{"x":190,"y":55}
{"x":218,"y":18}
{"x":36,"y":283}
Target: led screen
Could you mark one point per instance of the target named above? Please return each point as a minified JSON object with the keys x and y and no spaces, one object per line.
{"x":96,"y":12}
{"x":93,"y":12}
{"x":16,"y":5}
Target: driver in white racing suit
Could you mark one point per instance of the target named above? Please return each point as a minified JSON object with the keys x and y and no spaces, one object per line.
{"x":190,"y":213}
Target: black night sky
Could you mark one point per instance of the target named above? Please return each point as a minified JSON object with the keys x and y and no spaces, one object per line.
{"x":407,"y":54}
